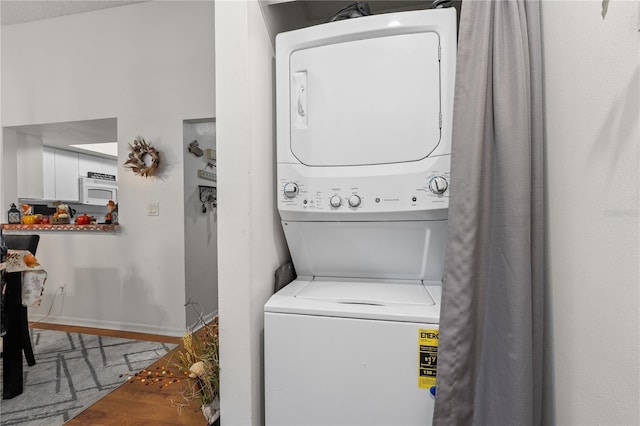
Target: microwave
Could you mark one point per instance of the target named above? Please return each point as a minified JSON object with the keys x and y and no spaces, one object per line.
{"x":97,"y":192}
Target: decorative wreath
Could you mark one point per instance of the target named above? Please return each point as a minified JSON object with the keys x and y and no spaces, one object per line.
{"x":137,"y":158}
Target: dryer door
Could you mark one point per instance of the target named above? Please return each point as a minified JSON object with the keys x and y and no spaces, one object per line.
{"x":369,"y":101}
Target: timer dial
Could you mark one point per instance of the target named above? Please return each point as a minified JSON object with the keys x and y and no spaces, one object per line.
{"x":438,"y":185}
{"x":354,"y":200}
{"x":290,"y":190}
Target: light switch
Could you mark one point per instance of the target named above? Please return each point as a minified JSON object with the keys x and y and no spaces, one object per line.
{"x":153,"y":209}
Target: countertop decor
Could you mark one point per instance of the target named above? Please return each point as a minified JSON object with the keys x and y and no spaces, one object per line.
{"x":54,"y":227}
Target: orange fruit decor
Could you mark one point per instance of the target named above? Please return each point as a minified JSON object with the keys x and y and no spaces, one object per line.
{"x":30,"y":260}
{"x":29,"y":219}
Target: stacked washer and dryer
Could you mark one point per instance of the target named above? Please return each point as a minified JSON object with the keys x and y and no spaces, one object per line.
{"x":364,"y":119}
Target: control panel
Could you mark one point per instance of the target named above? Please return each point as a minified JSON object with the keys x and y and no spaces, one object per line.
{"x":371,"y":194}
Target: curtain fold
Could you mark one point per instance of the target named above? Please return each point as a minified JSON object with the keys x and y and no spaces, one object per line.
{"x":491,"y":359}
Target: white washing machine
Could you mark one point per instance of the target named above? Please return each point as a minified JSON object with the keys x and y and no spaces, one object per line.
{"x":364,"y":109}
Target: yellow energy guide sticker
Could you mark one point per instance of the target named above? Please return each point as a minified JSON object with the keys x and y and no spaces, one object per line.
{"x":427,"y":357}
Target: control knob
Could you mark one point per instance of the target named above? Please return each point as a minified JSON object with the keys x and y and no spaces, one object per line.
{"x":335,"y":201}
{"x":290,"y":190}
{"x":438,"y":185}
{"x":354,"y":200}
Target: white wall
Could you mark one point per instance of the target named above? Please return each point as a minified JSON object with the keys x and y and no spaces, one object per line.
{"x":151,"y":65}
{"x":11,"y":152}
{"x":249,"y":232}
{"x":9,"y":171}
{"x":592,"y":115}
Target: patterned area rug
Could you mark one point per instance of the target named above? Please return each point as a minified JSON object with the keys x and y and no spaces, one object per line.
{"x":73,"y":371}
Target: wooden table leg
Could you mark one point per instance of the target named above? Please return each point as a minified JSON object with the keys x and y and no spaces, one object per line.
{"x":12,"y":341}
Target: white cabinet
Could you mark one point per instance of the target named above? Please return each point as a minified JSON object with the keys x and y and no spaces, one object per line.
{"x":91,"y":163}
{"x":59,"y":174}
{"x":29,"y":166}
{"x":66,"y":175}
{"x":61,"y":170}
{"x":110,"y":167}
{"x":48,"y":173}
{"x":88,"y":163}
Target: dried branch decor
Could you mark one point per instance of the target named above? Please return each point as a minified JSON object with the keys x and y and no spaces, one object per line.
{"x":143,"y":158}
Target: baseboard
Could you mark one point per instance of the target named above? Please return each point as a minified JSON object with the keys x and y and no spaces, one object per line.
{"x":206,"y":319}
{"x":110,"y":325}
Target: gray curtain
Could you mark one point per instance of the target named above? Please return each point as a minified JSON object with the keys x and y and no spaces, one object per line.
{"x":490,"y":358}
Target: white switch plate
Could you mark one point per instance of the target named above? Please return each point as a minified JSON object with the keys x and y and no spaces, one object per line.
{"x":153,"y":209}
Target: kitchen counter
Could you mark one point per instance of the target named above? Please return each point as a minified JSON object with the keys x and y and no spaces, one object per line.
{"x":57,"y":227}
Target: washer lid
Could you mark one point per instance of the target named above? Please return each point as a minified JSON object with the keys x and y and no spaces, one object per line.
{"x":390,"y":250}
{"x":388,"y":300}
{"x":361,"y":292}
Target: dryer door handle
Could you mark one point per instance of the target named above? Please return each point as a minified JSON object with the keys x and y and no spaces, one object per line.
{"x":300,"y":100}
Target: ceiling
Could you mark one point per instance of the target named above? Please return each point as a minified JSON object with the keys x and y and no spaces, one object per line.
{"x":20,"y":11}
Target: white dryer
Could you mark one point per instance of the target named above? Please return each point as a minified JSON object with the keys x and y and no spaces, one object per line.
{"x":364,"y":109}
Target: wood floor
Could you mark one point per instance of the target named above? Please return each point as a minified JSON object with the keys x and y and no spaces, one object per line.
{"x":135,"y":404}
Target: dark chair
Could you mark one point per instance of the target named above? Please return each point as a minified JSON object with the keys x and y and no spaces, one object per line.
{"x":23,"y":242}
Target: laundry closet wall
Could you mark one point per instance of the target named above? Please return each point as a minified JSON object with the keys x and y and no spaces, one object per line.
{"x":592,"y":112}
{"x":591,"y":80}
